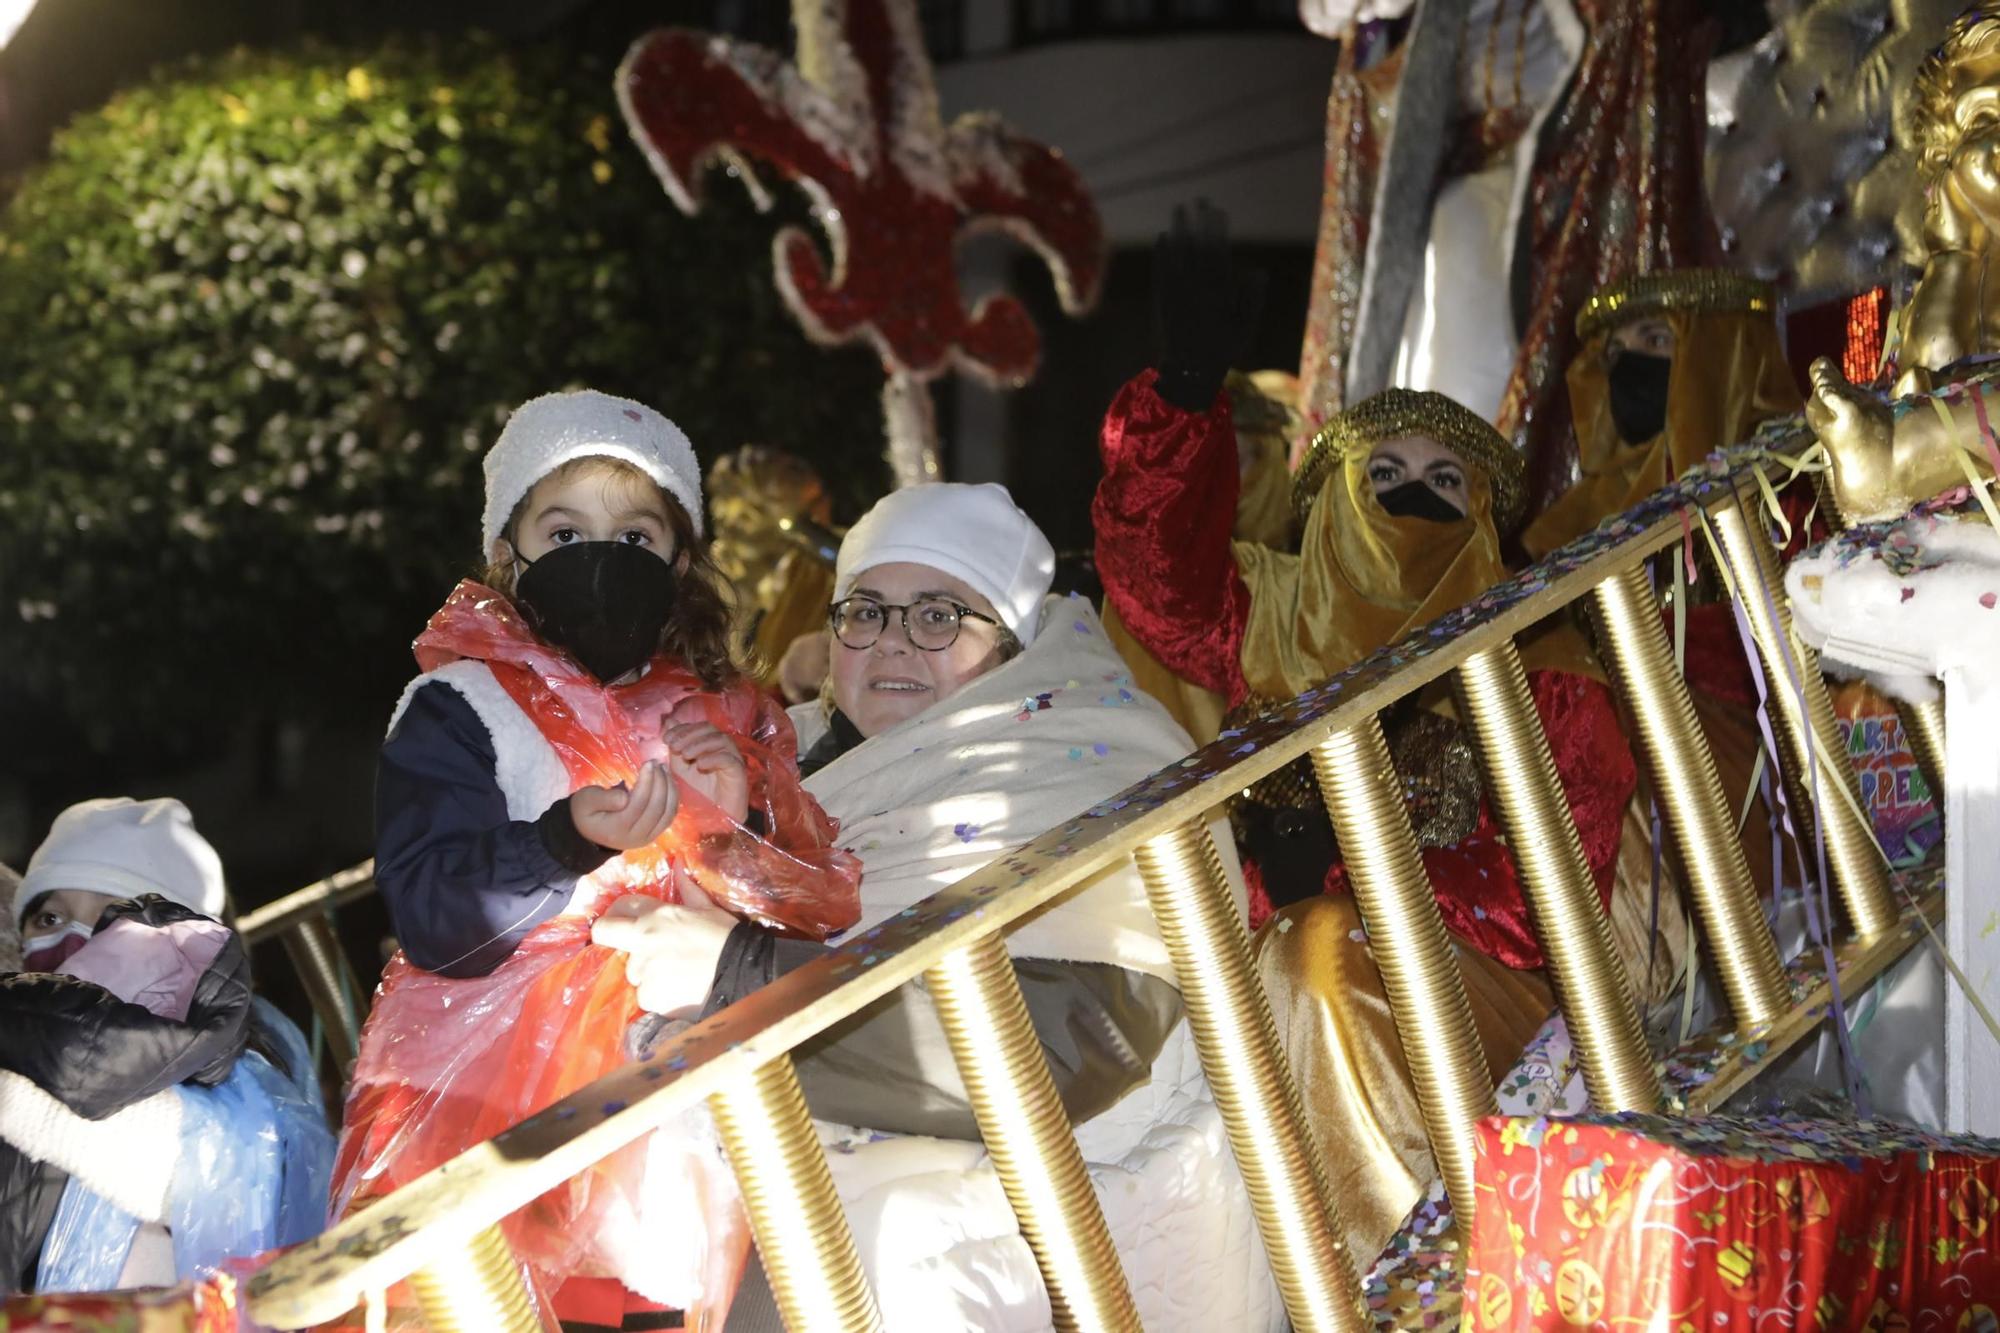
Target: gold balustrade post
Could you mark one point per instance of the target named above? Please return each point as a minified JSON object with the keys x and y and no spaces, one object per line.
{"x":1420,"y":973}
{"x":801,"y":1231}
{"x":1238,"y":1044}
{"x":315,"y":954}
{"x":1590,"y":982}
{"x":1684,"y":780}
{"x":1850,"y":843}
{"x":1923,"y":728}
{"x":478,"y":1288}
{"x":1027,"y":1132}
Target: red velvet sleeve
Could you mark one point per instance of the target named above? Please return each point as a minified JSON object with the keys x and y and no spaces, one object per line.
{"x":1477,"y":886}
{"x":1162,"y":516}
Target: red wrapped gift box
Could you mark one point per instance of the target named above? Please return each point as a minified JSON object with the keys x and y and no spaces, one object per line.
{"x":208,"y":1306}
{"x":1687,"y":1226}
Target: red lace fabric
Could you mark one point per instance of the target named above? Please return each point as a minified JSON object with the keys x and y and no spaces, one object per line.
{"x":1162,"y":515}
{"x":1714,"y":655}
{"x":1477,"y":886}
{"x":448,"y":1063}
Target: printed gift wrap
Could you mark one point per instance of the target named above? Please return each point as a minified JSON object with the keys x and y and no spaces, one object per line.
{"x":208,"y":1306}
{"x":1893,"y":790}
{"x":1686,"y":1226}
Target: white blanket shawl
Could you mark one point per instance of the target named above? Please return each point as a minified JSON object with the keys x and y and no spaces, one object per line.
{"x":1012,"y":754}
{"x":1018,"y":751}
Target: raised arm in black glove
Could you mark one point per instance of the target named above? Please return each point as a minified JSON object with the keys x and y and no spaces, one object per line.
{"x":1203,"y":306}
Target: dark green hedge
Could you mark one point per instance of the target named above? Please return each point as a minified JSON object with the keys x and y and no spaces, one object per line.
{"x":259,"y":317}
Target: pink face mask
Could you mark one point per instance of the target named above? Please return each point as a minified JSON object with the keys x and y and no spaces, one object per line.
{"x":46,"y":953}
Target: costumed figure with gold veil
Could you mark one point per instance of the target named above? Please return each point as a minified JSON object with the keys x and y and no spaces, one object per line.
{"x":1401,"y":505}
{"x":1673,"y":367}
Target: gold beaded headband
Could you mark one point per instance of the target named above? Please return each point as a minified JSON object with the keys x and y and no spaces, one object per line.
{"x":1703,"y":290}
{"x":1394,"y":413}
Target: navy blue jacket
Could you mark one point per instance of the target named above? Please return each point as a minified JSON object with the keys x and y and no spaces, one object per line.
{"x":464,"y":881}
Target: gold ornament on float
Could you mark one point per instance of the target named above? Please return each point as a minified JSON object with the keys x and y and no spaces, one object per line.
{"x":1954,"y":311}
{"x":1882,"y":464}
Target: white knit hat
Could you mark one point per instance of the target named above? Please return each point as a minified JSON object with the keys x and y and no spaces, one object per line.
{"x":546,"y":432}
{"x":974,"y":533}
{"x":125,"y":848}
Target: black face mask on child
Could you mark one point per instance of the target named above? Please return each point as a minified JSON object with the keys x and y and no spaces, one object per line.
{"x":605,"y":603}
{"x":1416,"y":499}
{"x":1638,"y":383}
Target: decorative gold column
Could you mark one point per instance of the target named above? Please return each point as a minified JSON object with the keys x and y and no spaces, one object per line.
{"x":802,"y":1234}
{"x":1591,"y":984}
{"x":1238,"y":1044}
{"x":1419,"y":972}
{"x":315,"y":954}
{"x":1850,"y":844}
{"x":1923,"y":728}
{"x":1684,"y":780}
{"x":1021,"y":1117}
{"x":478,"y":1289}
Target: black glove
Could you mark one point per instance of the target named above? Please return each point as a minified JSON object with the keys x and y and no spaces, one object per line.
{"x":1203,"y":307}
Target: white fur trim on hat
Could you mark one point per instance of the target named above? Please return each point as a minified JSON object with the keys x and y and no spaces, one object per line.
{"x":125,"y":848}
{"x":546,"y":432}
{"x":974,"y":533}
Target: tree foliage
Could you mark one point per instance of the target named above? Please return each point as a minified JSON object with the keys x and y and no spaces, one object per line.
{"x":260,"y":316}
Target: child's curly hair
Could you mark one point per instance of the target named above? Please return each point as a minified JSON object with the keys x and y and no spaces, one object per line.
{"x":698,"y":632}
{"x":1935,"y":128}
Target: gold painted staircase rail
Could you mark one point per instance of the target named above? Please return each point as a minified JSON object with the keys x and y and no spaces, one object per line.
{"x":739,"y":1060}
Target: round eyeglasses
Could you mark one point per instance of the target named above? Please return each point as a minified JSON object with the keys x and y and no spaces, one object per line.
{"x":931,"y":623}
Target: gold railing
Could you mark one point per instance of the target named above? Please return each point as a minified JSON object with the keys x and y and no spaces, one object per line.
{"x":442,"y":1229}
{"x":302,"y":923}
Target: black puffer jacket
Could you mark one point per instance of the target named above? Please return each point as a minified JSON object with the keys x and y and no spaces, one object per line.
{"x":97,"y":1054}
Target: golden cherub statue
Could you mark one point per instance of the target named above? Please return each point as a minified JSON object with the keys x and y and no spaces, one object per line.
{"x":1881,"y":464}
{"x":769,"y":510}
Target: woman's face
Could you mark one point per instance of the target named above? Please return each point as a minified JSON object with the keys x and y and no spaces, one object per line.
{"x":1397,"y":463}
{"x":892,"y":679}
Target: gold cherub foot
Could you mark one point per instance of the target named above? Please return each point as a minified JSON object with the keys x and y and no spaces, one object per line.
{"x":1883,"y":464}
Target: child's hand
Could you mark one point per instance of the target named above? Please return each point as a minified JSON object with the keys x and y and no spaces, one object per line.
{"x":695,"y":745}
{"x":671,"y":951}
{"x":622,"y":818}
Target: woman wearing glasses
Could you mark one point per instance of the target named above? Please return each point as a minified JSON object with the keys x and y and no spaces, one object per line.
{"x":965,"y":712}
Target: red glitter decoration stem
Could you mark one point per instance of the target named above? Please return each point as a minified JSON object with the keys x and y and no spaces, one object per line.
{"x":855,"y":122}
{"x":1861,"y":359}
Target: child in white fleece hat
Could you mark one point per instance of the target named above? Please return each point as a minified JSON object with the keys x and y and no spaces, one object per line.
{"x":134,"y":1001}
{"x":105,"y":851}
{"x":579,"y":739}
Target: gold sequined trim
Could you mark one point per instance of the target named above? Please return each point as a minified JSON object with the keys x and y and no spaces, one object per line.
{"x":1394,"y":413}
{"x":1705,"y":290}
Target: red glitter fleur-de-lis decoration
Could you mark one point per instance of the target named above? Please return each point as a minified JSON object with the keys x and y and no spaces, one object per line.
{"x":855,"y":121}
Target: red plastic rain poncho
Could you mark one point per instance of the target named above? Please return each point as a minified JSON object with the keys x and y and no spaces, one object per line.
{"x":447,"y":1063}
